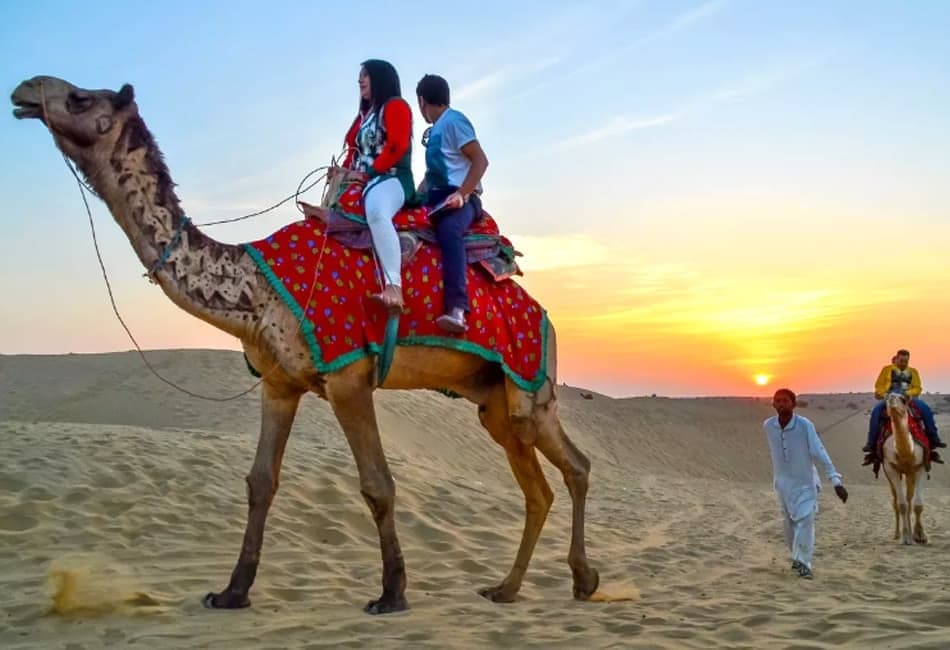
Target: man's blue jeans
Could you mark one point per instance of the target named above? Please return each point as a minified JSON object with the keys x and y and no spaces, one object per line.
{"x":450,"y":229}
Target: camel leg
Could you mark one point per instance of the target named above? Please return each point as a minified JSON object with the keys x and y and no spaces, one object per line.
{"x":575,"y":468}
{"x":352,"y":404}
{"x":903,"y":504}
{"x":920,"y":536}
{"x":537,"y":493}
{"x":278,"y":409}
{"x":897,"y":514}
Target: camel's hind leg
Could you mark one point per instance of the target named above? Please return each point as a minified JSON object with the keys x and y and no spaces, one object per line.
{"x":537,"y":493}
{"x":903,"y":507}
{"x":351,"y":398}
{"x":920,"y":536}
{"x":278,"y":409}
{"x":897,"y":513}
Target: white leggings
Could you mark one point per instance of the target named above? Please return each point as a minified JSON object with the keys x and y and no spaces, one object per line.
{"x":383,"y":197}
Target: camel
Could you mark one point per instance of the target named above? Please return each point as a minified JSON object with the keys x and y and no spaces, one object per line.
{"x":102,"y":132}
{"x":903,"y":459}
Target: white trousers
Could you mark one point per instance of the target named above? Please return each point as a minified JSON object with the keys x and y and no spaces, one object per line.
{"x":383,"y":197}
{"x":800,"y":536}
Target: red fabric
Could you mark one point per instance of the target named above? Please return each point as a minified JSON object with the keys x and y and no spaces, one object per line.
{"x":397,"y":123}
{"x":504,"y":319}
{"x":350,"y":141}
{"x":916,"y":426}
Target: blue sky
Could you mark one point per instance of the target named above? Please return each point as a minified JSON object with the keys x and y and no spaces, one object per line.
{"x":657,"y":133}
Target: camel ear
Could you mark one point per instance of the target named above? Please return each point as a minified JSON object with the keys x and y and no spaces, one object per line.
{"x":123,"y":98}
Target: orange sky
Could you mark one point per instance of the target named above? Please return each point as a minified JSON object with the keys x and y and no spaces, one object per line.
{"x":698,"y":313}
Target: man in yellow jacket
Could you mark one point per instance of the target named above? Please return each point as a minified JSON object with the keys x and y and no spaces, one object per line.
{"x":899,"y":377}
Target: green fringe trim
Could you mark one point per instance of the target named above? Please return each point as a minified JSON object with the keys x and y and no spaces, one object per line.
{"x":306,"y":327}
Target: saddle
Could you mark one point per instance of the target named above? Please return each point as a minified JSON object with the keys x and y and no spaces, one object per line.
{"x":917,"y":431}
{"x":342,"y":214}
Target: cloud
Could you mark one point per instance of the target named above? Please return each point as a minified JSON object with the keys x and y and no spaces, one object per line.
{"x":615,"y":127}
{"x":485,"y":85}
{"x":690,"y":18}
{"x":735,"y":91}
{"x":766,"y":79}
{"x":561,"y":252}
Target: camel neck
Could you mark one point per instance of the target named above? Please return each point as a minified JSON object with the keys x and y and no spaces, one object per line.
{"x":211,"y":280}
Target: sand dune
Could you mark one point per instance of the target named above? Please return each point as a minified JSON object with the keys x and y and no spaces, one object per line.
{"x":125,"y":501}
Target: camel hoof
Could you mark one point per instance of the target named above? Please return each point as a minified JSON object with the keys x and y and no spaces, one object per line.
{"x":584,"y":591}
{"x":386,"y":606}
{"x":921,"y":539}
{"x":497,"y":594}
{"x":226,"y":600}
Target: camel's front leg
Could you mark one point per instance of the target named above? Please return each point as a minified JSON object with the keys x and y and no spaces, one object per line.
{"x":352,"y":403}
{"x":278,"y":408}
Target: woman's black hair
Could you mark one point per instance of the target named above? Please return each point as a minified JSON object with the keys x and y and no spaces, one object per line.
{"x":383,"y":82}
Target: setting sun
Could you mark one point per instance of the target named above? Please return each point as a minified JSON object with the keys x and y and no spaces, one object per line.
{"x":762,"y":380}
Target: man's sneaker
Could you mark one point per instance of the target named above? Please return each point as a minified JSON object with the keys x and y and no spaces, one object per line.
{"x":935,"y":457}
{"x":805,"y":572}
{"x":871,"y":458}
{"x":454,"y":321}
{"x":940,"y":443}
{"x":796,"y":565}
{"x":868,"y":448}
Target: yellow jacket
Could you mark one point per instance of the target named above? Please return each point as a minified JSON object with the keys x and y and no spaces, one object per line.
{"x":891,"y":381}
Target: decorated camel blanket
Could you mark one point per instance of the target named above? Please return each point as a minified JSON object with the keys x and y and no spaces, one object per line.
{"x":341,"y":324}
{"x":915,"y":423}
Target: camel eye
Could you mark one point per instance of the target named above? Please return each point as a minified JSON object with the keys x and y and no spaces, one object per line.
{"x":78,"y":103}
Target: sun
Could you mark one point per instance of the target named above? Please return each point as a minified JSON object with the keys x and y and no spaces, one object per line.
{"x":762,"y":380}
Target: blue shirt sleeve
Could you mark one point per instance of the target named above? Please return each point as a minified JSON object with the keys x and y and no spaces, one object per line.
{"x":459,"y":132}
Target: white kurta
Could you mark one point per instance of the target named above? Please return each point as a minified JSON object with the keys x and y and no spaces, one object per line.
{"x":795,"y":450}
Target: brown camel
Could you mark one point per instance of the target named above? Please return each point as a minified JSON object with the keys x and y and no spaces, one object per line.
{"x":904,"y":460}
{"x":102,"y":132}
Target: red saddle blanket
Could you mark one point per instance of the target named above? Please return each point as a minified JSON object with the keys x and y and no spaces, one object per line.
{"x":341,"y":325}
{"x":917,"y":431}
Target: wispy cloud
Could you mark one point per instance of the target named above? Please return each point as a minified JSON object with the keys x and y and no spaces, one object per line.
{"x":731,"y":92}
{"x":615,"y":127}
{"x":678,"y":23}
{"x":561,"y":252}
{"x":767,"y":79}
{"x":485,"y":85}
{"x":693,"y":16}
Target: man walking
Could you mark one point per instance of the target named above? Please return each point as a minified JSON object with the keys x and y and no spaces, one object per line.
{"x":795,"y":448}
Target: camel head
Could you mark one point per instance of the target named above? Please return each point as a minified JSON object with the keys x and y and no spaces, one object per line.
{"x":85,"y":123}
{"x":896,"y":405}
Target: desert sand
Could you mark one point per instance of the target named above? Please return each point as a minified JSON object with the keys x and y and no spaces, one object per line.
{"x":122,"y":503}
